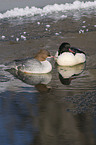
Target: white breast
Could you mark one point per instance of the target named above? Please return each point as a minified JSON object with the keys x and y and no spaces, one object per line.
{"x":46,"y":66}
{"x":80,"y":58}
{"x":69,"y":59}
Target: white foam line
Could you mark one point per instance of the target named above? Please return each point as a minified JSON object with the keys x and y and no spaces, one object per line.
{"x":19,"y":12}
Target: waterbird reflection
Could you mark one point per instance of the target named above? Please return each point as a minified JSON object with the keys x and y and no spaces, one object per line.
{"x":49,"y":119}
{"x":40,"y":81}
{"x":67,"y":74}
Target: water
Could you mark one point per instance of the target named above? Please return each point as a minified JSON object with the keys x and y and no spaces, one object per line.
{"x":55,"y":108}
{"x":48,"y":109}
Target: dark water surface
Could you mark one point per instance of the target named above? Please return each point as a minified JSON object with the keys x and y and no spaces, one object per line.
{"x":55,"y":108}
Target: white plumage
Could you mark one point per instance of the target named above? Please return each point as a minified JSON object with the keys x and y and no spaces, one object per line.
{"x":37,"y":65}
{"x":69,"y":56}
{"x":69,"y":59}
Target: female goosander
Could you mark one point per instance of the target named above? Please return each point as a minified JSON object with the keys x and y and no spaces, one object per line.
{"x":37,"y":65}
{"x":69,"y":56}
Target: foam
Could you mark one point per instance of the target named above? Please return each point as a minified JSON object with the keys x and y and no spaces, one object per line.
{"x":49,"y":9}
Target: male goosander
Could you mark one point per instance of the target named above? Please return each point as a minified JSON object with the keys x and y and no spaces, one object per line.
{"x":69,"y":56}
{"x":37,"y":65}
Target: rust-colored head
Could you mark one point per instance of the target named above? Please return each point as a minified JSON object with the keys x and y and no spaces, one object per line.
{"x":42,"y":55}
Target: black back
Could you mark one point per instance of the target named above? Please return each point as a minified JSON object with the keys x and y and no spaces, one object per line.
{"x":76,"y":50}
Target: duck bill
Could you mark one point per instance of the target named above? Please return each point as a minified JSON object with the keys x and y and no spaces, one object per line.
{"x":50,"y":56}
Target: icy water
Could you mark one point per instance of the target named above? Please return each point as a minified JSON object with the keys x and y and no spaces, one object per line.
{"x":58,"y":108}
{"x":10,"y":4}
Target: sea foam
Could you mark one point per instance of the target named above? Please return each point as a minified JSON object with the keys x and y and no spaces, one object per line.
{"x":49,"y":9}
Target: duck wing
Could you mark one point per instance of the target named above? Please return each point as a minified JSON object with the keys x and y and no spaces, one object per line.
{"x":75,"y":50}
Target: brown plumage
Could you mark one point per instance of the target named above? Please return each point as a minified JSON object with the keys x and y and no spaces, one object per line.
{"x":42,"y":55}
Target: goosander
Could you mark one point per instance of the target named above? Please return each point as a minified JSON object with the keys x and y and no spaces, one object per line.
{"x":39,"y":64}
{"x":69,"y":56}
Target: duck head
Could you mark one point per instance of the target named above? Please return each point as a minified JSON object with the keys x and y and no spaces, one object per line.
{"x":64,"y":47}
{"x":42,"y":55}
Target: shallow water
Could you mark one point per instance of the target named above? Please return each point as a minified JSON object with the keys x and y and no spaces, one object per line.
{"x":55,"y":108}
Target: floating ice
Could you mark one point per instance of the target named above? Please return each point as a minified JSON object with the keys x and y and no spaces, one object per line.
{"x":12,"y":36}
{"x":84,"y":21}
{"x":17,"y":39}
{"x":38,"y":23}
{"x":48,"y":26}
{"x":83,"y":26}
{"x":56,"y":34}
{"x":81,"y":31}
{"x":3,"y":37}
{"x":49,"y":9}
{"x":63,"y":16}
{"x":23,"y":37}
